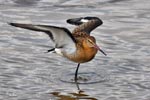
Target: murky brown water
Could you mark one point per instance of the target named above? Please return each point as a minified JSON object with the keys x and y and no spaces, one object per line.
{"x":27,"y":73}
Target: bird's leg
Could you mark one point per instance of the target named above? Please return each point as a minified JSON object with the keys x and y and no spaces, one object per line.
{"x":50,"y":50}
{"x":77,"y":84}
{"x":76,"y":73}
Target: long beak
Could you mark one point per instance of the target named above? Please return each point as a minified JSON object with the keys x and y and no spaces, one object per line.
{"x":98,"y":48}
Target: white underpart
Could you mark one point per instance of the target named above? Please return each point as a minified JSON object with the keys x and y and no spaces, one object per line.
{"x":84,"y":20}
{"x":58,"y":51}
{"x":63,"y":50}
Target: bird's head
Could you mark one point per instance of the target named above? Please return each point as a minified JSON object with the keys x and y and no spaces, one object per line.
{"x":91,"y":42}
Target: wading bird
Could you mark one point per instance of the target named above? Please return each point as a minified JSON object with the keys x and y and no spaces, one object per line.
{"x":78,"y":46}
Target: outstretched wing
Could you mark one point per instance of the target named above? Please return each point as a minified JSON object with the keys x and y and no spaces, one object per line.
{"x":86,"y":24}
{"x":62,"y":37}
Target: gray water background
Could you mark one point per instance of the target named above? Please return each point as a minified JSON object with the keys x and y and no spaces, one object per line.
{"x":27,"y":73}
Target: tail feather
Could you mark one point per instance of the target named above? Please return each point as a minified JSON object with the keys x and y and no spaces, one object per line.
{"x":50,"y":50}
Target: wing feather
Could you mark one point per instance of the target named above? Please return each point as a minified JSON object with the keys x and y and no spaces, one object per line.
{"x":62,"y":37}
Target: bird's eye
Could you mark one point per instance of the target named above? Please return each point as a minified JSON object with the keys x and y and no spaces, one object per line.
{"x":90,"y":41}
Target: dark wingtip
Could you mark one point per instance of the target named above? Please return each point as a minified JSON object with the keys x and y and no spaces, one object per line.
{"x":12,"y":24}
{"x":9,"y":23}
{"x":26,"y":26}
{"x":74,"y":21}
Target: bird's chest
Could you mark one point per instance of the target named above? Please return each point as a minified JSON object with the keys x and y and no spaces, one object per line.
{"x":82,"y":55}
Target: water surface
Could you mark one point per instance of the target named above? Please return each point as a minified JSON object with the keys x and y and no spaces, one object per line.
{"x":27,"y":73}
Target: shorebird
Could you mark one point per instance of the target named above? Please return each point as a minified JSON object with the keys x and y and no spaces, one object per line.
{"x":78,"y":46}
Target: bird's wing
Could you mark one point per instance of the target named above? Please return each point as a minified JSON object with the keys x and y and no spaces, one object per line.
{"x":62,"y":37}
{"x":86,"y":24}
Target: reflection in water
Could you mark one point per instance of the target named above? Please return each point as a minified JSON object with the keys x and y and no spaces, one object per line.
{"x":73,"y":95}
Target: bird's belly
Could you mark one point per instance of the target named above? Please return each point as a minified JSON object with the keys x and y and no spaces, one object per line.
{"x":82,"y":59}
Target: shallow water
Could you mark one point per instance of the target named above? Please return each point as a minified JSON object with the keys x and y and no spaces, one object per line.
{"x":27,"y":73}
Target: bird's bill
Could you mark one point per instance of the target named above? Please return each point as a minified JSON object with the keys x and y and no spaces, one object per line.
{"x":98,"y":48}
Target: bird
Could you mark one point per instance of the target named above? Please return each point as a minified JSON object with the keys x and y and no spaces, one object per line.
{"x":77,"y":46}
